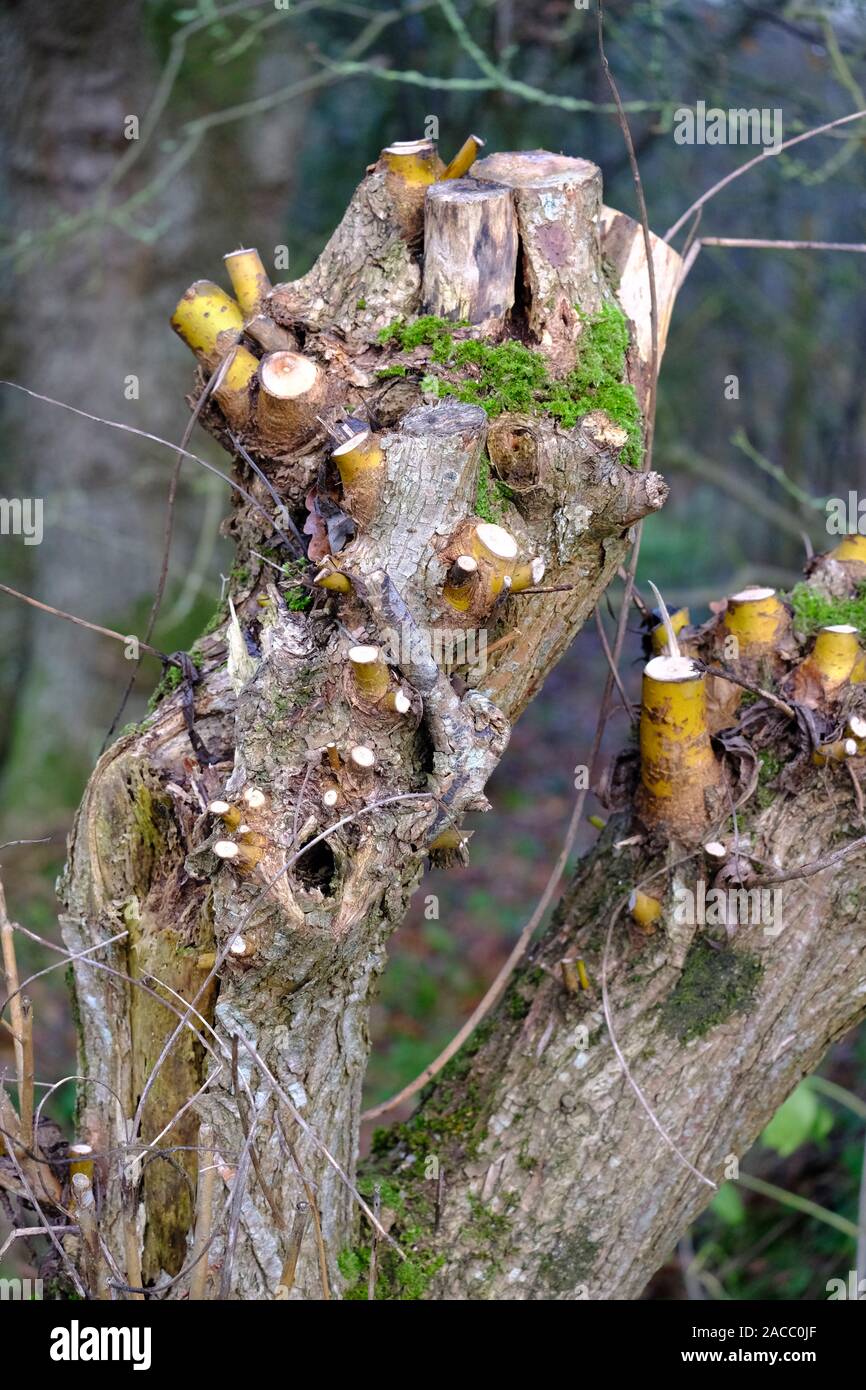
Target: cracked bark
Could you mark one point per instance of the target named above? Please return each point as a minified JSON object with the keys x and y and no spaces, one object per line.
{"x":276,"y":709}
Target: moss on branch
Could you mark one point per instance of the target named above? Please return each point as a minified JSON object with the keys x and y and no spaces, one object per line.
{"x":814,"y":609}
{"x":512,"y":377}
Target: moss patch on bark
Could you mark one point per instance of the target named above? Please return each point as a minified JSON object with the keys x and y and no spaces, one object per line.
{"x":512,"y":377}
{"x":713,"y":986}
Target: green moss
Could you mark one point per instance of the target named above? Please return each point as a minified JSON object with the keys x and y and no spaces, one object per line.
{"x":483,"y":502}
{"x":486,"y":1226}
{"x":813,"y":610}
{"x":170,"y":680}
{"x":769,"y":767}
{"x":517,"y":1006}
{"x":396,"y":369}
{"x":569,"y":1263}
{"x":713,"y":986}
{"x":512,"y":377}
{"x":450,"y":1116}
{"x":298,"y":597}
{"x":491,"y":496}
{"x":352,"y":1266}
{"x":397,"y":1279}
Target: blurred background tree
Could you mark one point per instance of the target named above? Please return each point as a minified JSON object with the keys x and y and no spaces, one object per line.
{"x":143,"y":141}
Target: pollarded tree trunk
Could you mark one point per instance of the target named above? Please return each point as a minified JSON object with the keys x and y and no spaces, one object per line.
{"x":423,"y":557}
{"x":688,"y":982}
{"x":556,"y":1183}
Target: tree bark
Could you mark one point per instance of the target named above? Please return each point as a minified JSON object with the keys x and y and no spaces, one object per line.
{"x":279,"y":959}
{"x":559,"y":1185}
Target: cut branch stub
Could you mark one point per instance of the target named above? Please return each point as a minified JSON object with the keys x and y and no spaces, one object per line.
{"x":293,"y":390}
{"x":370,"y":672}
{"x":754,"y":637}
{"x":758,"y":619}
{"x":209,"y":321}
{"x":413,"y":161}
{"x":362,"y":473}
{"x":232,"y":391}
{"x":851,"y":550}
{"x":411,"y":166}
{"x":249,"y":278}
{"x":558,"y":202}
{"x":460,"y":582}
{"x":835,"y":661}
{"x":482,"y":567}
{"x":470,"y":253}
{"x":659,"y":634}
{"x":464,"y":158}
{"x":333,"y":579}
{"x":679,"y":777}
{"x":528,"y":575}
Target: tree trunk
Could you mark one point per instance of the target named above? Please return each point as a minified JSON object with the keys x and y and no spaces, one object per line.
{"x":290,"y":737}
{"x":557,"y":1183}
{"x":683,"y":989}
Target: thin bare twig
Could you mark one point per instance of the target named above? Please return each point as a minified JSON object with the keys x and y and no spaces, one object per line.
{"x":768,"y":153}
{"x":155,"y":439}
{"x":647,"y":241}
{"x":608,"y":656}
{"x":763,"y":244}
{"x":46,"y":1225}
{"x":759,"y":690}
{"x":25,"y":1094}
{"x":91,"y":627}
{"x":313,"y":1201}
{"x":296,"y":1239}
{"x":13,"y":988}
{"x":168,"y":528}
{"x":816,"y":867}
{"x":203,"y":1212}
{"x":317,"y":1143}
{"x":374,"y":1247}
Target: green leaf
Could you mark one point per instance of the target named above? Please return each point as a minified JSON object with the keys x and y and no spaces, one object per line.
{"x":728,"y":1205}
{"x":799,"y":1120}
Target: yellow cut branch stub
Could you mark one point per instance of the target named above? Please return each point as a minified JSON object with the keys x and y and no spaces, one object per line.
{"x":757,"y":618}
{"x":250,"y":280}
{"x":851,"y":548}
{"x":679,"y":620}
{"x":208,"y":320}
{"x":677,"y":763}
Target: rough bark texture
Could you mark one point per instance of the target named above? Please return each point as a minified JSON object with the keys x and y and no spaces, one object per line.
{"x":557,"y":200}
{"x":559,"y":1186}
{"x":470,"y":253}
{"x":276,"y":708}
